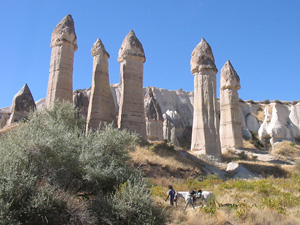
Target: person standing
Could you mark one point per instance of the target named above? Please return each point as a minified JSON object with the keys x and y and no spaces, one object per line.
{"x":171,"y":194}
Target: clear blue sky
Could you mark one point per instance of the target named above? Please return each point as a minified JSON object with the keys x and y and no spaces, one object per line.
{"x":261,"y":38}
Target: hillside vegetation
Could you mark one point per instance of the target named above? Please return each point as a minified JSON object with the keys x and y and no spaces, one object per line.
{"x":52,"y":172}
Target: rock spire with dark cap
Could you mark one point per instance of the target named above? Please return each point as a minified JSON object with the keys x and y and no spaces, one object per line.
{"x":131,"y":46}
{"x":64,"y":33}
{"x":101,"y":106}
{"x":205,"y":134}
{"x":63,"y":44}
{"x":202,"y":58}
{"x":99,"y":49}
{"x":131,"y":110}
{"x":229,"y":77}
{"x":230,"y":123}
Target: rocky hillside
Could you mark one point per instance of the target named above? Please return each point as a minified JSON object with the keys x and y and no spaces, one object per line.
{"x":169,"y":116}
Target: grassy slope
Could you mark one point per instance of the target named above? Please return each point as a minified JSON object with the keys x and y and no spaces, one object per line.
{"x":268,"y":200}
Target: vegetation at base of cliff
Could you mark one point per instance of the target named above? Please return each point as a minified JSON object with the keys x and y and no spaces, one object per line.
{"x":52,"y":172}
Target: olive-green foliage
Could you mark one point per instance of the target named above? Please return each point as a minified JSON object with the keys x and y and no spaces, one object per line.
{"x":49,"y":161}
{"x":132,"y":203}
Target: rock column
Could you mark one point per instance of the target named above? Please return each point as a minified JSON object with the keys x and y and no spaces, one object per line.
{"x":230,"y":123}
{"x":205,"y":134}
{"x":63,"y":44}
{"x":131,"y":110}
{"x":101,"y":106}
{"x":154,"y":117}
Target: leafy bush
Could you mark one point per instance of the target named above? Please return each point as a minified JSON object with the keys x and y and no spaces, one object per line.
{"x":51,"y":170}
{"x":132,"y":203}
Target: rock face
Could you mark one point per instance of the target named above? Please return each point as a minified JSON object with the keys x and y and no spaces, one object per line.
{"x":154,"y":117}
{"x":205,"y":135}
{"x":101,"y":106}
{"x":131,"y":108}
{"x":22,"y":104}
{"x":63,"y":44}
{"x":230,"y":123}
{"x":279,"y":126}
{"x":81,"y":102}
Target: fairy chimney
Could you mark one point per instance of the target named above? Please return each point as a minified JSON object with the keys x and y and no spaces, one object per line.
{"x":230,"y":123}
{"x":205,"y":134}
{"x":131,"y":109}
{"x":22,"y":104}
{"x":101,"y":106}
{"x":63,"y":44}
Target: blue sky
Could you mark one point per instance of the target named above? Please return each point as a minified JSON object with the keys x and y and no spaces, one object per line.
{"x":261,"y":38}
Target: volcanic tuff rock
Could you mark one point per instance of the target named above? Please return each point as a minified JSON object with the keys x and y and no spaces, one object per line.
{"x":230,"y":123}
{"x":101,"y":107}
{"x":22,"y":104}
{"x":177,"y":113}
{"x":63,"y":44}
{"x":205,"y":134}
{"x":154,"y":118}
{"x":131,"y":108}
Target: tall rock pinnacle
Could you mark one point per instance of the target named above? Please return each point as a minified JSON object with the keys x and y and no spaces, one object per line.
{"x":205,"y":134}
{"x":230,"y":123}
{"x":101,"y":106}
{"x":131,"y":110}
{"x":63,"y":44}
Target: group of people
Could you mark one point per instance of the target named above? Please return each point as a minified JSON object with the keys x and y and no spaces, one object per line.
{"x":172,"y":193}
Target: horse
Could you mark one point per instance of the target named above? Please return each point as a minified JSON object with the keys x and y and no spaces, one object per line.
{"x":207,"y":196}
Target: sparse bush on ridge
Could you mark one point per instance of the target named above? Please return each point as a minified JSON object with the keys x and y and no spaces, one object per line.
{"x":52,"y":172}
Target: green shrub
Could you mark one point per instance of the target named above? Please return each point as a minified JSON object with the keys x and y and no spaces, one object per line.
{"x":49,"y":161}
{"x":103,"y":156}
{"x":132,"y":203}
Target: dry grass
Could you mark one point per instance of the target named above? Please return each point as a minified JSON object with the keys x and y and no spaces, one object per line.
{"x":261,"y":201}
{"x":287,"y":149}
{"x":260,"y":114}
{"x":145,"y":155}
{"x":248,"y":145}
{"x":246,"y":202}
{"x":165,"y":166}
{"x":8,"y":128}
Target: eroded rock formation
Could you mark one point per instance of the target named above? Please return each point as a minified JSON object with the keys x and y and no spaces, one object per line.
{"x":230,"y":123}
{"x":205,"y":135}
{"x":131,"y":108}
{"x":22,"y":104}
{"x":154,"y":117}
{"x":101,"y":106}
{"x":63,"y":44}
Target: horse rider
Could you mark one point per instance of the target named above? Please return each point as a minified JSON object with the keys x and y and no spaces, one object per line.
{"x":195,"y":194}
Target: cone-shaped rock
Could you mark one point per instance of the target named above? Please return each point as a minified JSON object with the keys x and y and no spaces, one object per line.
{"x":230,"y":123}
{"x":63,"y":44}
{"x":101,"y":106}
{"x":131,"y":47}
{"x":202,"y":58}
{"x":229,"y":77}
{"x":131,"y":110}
{"x":22,"y":104}
{"x":205,"y":134}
